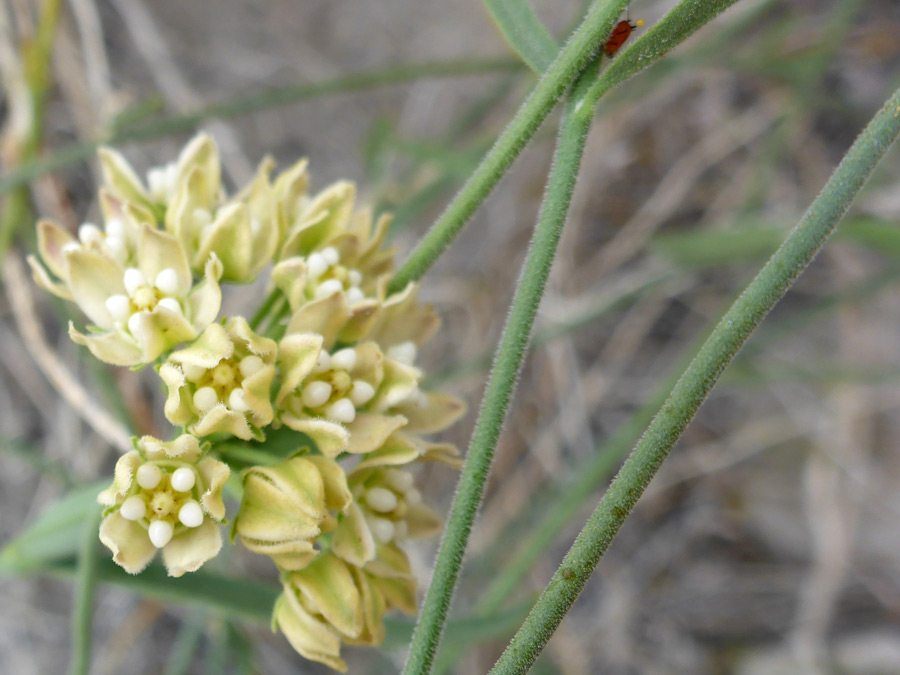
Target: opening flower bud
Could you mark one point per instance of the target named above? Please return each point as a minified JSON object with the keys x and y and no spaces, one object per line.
{"x":327,"y":288}
{"x":316,"y":265}
{"x":316,"y":394}
{"x":88,"y":233}
{"x":344,"y":359}
{"x":170,"y":304}
{"x":133,"y":279}
{"x":382,"y":529}
{"x":250,"y":365}
{"x":191,"y":515}
{"x":148,"y":476}
{"x":323,"y":363}
{"x":167,"y":281}
{"x":205,"y":398}
{"x":133,"y":508}
{"x":401,"y":481}
{"x":341,"y":410}
{"x":381,"y":499}
{"x":331,"y":255}
{"x":118,"y":306}
{"x":183,"y":479}
{"x":361,"y":393}
{"x":160,"y":533}
{"x":237,"y":402}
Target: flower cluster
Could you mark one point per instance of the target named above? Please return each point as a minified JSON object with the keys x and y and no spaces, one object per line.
{"x":329,"y":360}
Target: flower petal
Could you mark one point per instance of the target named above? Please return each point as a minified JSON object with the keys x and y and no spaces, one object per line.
{"x":398,"y":384}
{"x":159,"y":250}
{"x":331,"y":439}
{"x":289,"y":276}
{"x":373,"y":606}
{"x":337,"y":493}
{"x":110,"y":348}
{"x":190,"y":549}
{"x":221,"y":419}
{"x":213,"y":345}
{"x":328,"y":585}
{"x":205,"y":299}
{"x":325,"y":316}
{"x":130,"y":545}
{"x":51,"y":241}
{"x":369,"y":431}
{"x":231,"y":239}
{"x":120,"y":177}
{"x":92,"y":278}
{"x":297,"y":355}
{"x":422,"y":521}
{"x":214,"y":474}
{"x":311,"y":637}
{"x":201,"y":154}
{"x":397,"y":450}
{"x":352,"y":539}
{"x":178,"y":407}
{"x":42,"y":279}
{"x":435,"y":412}
{"x":122,"y":479}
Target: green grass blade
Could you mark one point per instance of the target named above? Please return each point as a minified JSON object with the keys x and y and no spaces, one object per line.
{"x":56,"y":533}
{"x":501,"y":385}
{"x":729,"y":335}
{"x":524,"y":32}
{"x":244,"y":105}
{"x":83,"y":610}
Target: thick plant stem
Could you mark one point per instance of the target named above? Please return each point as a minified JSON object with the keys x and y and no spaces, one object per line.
{"x":507,"y":364}
{"x":570,"y":61}
{"x":729,"y":335}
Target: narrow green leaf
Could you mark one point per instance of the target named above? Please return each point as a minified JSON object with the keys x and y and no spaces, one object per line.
{"x":508,"y":362}
{"x":246,"y":104}
{"x":56,"y":533}
{"x":695,"y":384}
{"x":524,"y":32}
{"x":83,"y":609}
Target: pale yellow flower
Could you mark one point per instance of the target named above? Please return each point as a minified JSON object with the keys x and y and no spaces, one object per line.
{"x":221,"y":382}
{"x":134,"y":284}
{"x":164,"y":496}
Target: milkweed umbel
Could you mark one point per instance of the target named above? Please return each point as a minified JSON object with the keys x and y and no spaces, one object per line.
{"x":620,"y":35}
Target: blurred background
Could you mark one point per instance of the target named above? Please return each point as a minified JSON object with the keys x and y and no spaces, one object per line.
{"x":769,"y":542}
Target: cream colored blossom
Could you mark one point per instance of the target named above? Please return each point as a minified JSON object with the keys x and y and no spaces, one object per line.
{"x":164,"y":496}
{"x":330,"y":602}
{"x":221,"y":382}
{"x":339,"y":398}
{"x":286,"y":507}
{"x":134,"y":284}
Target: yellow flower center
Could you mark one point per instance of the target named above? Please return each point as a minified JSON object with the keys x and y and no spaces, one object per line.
{"x":163,"y":503}
{"x":145,"y":298}
{"x":223,"y":375}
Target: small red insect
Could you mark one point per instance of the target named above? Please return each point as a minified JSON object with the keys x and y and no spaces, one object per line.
{"x":620,"y":35}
